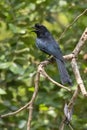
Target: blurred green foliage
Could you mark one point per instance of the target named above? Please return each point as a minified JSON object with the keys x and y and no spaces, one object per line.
{"x":19,"y":59}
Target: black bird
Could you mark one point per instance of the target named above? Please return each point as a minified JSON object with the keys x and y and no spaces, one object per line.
{"x":46,"y":43}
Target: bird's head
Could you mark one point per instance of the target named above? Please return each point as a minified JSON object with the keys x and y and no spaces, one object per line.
{"x":40,"y":30}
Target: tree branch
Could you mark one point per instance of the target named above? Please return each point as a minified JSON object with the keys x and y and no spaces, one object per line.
{"x":80,"y":43}
{"x":43,"y":72}
{"x":78,"y":77}
{"x":68,"y":26}
{"x":76,"y":72}
{"x":70,"y":107}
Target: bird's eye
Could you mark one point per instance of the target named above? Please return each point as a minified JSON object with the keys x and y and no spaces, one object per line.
{"x":37,"y":25}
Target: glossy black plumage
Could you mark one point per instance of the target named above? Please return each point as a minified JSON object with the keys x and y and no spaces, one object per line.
{"x":46,"y":43}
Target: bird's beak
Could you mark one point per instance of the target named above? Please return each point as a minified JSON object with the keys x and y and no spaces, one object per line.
{"x":33,"y":29}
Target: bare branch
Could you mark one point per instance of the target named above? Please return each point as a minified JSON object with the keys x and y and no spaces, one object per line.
{"x":80,"y":43}
{"x":62,"y":124}
{"x":30,"y":117}
{"x":79,"y":80}
{"x":70,"y":127}
{"x":33,"y":99}
{"x":68,"y":57}
{"x":72,"y":101}
{"x":72,"y":23}
{"x":70,"y":106}
{"x":78,"y":77}
{"x":43,"y":72}
{"x":15,"y":112}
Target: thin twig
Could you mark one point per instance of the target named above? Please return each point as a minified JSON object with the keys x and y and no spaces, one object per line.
{"x":70,"y":106}
{"x":62,"y":124}
{"x":70,"y":127}
{"x":15,"y":112}
{"x":68,"y":26}
{"x":30,"y":117}
{"x":72,"y":101}
{"x":80,"y":44}
{"x":43,"y":72}
{"x":33,"y":99}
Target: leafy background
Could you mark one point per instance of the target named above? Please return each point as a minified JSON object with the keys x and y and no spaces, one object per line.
{"x":19,"y":59}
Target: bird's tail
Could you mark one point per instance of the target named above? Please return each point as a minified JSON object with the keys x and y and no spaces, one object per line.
{"x":65,"y":78}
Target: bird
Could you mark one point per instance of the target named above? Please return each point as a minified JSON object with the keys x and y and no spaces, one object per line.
{"x":46,"y":43}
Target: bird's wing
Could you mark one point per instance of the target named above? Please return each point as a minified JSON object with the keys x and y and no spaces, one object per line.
{"x":54,"y":49}
{"x":50,"y":47}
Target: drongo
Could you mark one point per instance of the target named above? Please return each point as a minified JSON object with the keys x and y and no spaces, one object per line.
{"x":46,"y":43}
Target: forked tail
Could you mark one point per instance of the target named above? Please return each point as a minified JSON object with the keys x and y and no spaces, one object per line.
{"x":64,"y":76}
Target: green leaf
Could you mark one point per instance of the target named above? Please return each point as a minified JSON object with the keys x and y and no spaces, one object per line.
{"x":16,"y":29}
{"x":22,"y":123}
{"x":16,"y":69}
{"x":5,"y":65}
{"x":2,"y":92}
